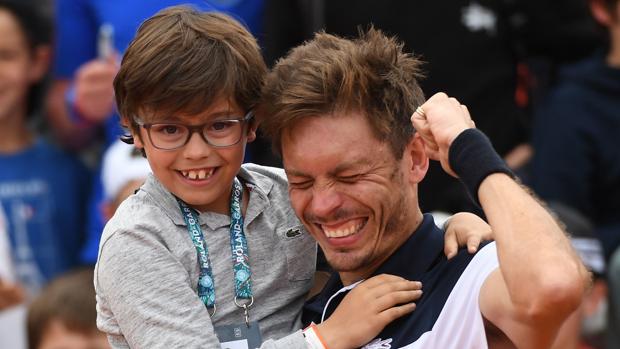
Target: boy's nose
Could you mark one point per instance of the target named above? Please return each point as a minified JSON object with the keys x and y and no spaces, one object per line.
{"x":197,"y":147}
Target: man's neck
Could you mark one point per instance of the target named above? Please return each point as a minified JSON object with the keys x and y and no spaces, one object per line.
{"x":351,"y":277}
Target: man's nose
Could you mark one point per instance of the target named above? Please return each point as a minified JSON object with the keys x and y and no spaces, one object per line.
{"x":325,"y":200}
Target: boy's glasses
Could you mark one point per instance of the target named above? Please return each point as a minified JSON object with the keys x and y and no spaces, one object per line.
{"x":217,"y":133}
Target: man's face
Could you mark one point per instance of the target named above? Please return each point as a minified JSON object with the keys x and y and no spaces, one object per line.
{"x":350,"y":192}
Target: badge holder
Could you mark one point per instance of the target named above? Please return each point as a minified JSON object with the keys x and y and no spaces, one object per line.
{"x":240,"y":336}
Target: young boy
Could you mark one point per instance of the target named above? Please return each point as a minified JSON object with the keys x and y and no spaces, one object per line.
{"x":202,"y":223}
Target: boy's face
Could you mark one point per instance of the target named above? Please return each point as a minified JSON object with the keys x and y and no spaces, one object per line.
{"x":19,"y":67}
{"x":198,"y":173}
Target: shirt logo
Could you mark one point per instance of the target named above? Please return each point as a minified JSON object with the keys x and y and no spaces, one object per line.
{"x":291,"y":233}
{"x":379,"y":343}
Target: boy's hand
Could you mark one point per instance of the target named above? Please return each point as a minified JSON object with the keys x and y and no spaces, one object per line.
{"x":367,"y":309}
{"x":10,"y":295}
{"x":465,"y":229}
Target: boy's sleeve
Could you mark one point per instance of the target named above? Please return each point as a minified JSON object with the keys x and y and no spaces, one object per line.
{"x":144,"y":296}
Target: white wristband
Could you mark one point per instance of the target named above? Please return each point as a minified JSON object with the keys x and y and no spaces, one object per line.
{"x":313,"y":340}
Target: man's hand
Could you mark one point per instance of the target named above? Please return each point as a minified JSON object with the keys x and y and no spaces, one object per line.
{"x":439,"y":121}
{"x":94,"y":92}
{"x":367,"y":309}
{"x":465,"y":229}
{"x":10,"y":295}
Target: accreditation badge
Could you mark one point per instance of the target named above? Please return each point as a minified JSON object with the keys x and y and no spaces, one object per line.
{"x":239,"y":336}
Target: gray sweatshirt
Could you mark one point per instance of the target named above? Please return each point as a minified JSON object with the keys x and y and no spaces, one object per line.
{"x":147,"y":272}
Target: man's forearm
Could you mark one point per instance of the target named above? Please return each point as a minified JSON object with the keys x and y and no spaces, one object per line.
{"x":543,"y":274}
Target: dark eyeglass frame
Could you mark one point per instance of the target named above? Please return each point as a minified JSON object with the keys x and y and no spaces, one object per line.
{"x":195,"y":129}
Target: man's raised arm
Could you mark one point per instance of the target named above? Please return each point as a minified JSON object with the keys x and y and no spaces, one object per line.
{"x":540,"y":280}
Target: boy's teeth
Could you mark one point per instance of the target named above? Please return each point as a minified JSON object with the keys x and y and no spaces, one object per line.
{"x":198,"y":174}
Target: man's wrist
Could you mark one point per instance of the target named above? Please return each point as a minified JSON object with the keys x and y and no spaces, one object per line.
{"x":472,"y":158}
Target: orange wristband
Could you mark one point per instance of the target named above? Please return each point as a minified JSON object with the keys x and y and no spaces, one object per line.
{"x":313,"y":338}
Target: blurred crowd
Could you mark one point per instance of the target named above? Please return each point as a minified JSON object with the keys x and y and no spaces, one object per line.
{"x":540,"y":78}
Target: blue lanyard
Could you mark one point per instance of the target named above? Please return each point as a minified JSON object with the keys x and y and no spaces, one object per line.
{"x":239,"y":249}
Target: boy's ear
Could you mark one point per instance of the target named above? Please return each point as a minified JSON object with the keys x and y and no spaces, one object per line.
{"x":251,"y":137}
{"x":41,"y":57}
{"x":135,"y":136}
{"x":137,"y":139}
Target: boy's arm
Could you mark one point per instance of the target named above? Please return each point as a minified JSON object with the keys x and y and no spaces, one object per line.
{"x":144,"y":295}
{"x":540,"y":280}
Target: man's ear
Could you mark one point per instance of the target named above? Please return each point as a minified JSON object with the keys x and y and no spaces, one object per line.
{"x":416,"y":159}
{"x":41,"y":57}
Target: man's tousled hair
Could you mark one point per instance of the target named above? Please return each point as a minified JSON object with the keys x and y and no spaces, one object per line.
{"x":328,"y":74}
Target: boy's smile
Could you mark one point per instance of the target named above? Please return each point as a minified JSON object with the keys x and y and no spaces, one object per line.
{"x":198,"y":173}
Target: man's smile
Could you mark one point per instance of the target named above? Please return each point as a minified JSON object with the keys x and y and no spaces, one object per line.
{"x":343,"y":229}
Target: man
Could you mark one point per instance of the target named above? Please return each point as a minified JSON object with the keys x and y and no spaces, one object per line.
{"x":338,"y":111}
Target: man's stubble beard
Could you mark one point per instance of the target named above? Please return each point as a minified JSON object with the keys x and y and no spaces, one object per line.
{"x":394,"y":224}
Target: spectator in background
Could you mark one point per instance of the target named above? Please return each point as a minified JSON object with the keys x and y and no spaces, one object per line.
{"x":124,"y":170}
{"x":585,"y":329}
{"x":576,"y":135}
{"x":473,"y":50}
{"x":12,"y":309}
{"x":91,"y":36}
{"x":577,"y":146}
{"x":42,"y":190}
{"x":64,"y":315}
